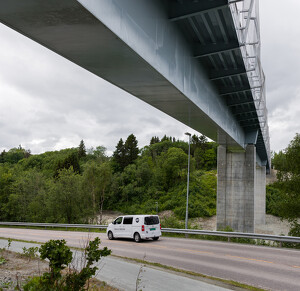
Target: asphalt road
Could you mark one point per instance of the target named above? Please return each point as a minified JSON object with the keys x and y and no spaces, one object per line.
{"x":260,"y":266}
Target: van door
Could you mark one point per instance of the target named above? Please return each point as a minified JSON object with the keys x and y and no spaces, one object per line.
{"x":118,"y":227}
{"x":127,"y":224}
{"x":152,"y":226}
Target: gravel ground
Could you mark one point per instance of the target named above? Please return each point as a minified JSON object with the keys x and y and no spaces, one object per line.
{"x":274,"y":225}
{"x":17,"y":269}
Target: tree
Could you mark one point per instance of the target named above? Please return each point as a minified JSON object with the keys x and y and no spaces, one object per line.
{"x":81,"y":150}
{"x":91,"y":183}
{"x":99,"y":154}
{"x":154,"y":139}
{"x":2,"y":155}
{"x":7,"y":178}
{"x":287,"y":164}
{"x":125,"y":154}
{"x":97,"y":179}
{"x":119,"y":157}
{"x":174,"y":164}
{"x":131,"y":149}
{"x":105,"y":178}
{"x":14,"y":155}
{"x":70,"y":161}
{"x":67,"y":200}
{"x":27,"y":203}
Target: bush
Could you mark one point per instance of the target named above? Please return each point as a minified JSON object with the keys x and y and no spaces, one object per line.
{"x":60,"y":256}
{"x":172,"y":222}
{"x":30,"y":252}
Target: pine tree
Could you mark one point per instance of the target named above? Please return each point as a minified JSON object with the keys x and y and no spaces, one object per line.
{"x":119,"y":157}
{"x":81,"y":150}
{"x":125,"y":153}
{"x":154,"y":139}
{"x":131,"y":149}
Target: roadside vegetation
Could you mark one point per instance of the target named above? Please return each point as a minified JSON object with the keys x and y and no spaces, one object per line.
{"x":76,"y":185}
{"x":283,"y":196}
{"x":64,"y":271}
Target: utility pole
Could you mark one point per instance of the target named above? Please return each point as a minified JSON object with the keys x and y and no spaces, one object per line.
{"x":188,"y":183}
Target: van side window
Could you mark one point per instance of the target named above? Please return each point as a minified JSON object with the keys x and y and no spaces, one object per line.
{"x":118,"y":220}
{"x":127,"y":220}
{"x":150,"y":220}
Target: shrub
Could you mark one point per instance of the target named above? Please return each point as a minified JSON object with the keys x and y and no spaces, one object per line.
{"x":30,"y":252}
{"x":60,"y":256}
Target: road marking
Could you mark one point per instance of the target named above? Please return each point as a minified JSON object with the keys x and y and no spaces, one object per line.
{"x":250,"y":259}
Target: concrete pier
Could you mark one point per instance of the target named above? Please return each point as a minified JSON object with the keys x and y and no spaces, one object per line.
{"x":241,"y":190}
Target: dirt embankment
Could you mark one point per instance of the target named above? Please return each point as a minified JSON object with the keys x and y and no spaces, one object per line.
{"x":16,"y":269}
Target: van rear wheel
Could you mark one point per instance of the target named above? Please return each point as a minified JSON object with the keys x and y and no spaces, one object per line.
{"x":110,"y":235}
{"x":137,"y":237}
{"x":155,"y":238}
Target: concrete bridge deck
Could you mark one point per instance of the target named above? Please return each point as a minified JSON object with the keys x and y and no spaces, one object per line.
{"x":197,"y":61}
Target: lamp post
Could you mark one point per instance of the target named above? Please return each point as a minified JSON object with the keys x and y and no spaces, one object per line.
{"x":188,"y":183}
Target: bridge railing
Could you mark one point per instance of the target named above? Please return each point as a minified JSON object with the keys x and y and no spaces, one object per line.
{"x":246,"y":20}
{"x":229,"y":235}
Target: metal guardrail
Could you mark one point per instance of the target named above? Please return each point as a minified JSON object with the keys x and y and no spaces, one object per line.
{"x":62,"y":225}
{"x":229,"y":235}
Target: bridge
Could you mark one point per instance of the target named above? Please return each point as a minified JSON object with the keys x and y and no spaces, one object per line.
{"x":198,"y":61}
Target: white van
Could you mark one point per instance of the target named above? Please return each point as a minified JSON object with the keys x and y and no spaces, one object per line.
{"x":135,"y":226}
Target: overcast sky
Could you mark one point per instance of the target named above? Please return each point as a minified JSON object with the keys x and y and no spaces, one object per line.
{"x":47,"y":103}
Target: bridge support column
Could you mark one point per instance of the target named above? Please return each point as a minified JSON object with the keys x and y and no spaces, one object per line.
{"x":241,"y":190}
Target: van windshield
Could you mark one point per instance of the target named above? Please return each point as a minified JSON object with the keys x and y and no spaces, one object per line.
{"x":149,"y":220}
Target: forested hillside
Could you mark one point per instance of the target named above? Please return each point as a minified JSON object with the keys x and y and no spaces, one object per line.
{"x":283,"y":196}
{"x":73,"y":185}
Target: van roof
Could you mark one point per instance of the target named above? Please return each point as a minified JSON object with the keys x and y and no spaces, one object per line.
{"x":138,"y":215}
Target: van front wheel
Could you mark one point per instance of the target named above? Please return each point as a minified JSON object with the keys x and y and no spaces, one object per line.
{"x":137,"y":237}
{"x":155,"y":238}
{"x":110,"y":235}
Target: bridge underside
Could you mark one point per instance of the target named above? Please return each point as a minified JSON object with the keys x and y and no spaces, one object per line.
{"x":183,"y":57}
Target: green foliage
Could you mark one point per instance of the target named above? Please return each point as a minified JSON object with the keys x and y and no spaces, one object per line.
{"x":287,"y":164}
{"x":67,"y":202}
{"x":81,"y":150}
{"x":68,"y":187}
{"x":98,"y":154}
{"x":2,"y":261}
{"x":9,"y":241}
{"x":273,"y":200}
{"x":92,"y":253}
{"x":14,"y":155}
{"x":294,"y":231}
{"x":172,"y":222}
{"x":125,"y":153}
{"x":31,"y":252}
{"x":60,"y":256}
{"x":71,"y":161}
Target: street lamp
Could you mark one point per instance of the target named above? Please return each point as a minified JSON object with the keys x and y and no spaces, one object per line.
{"x":188,"y":182}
